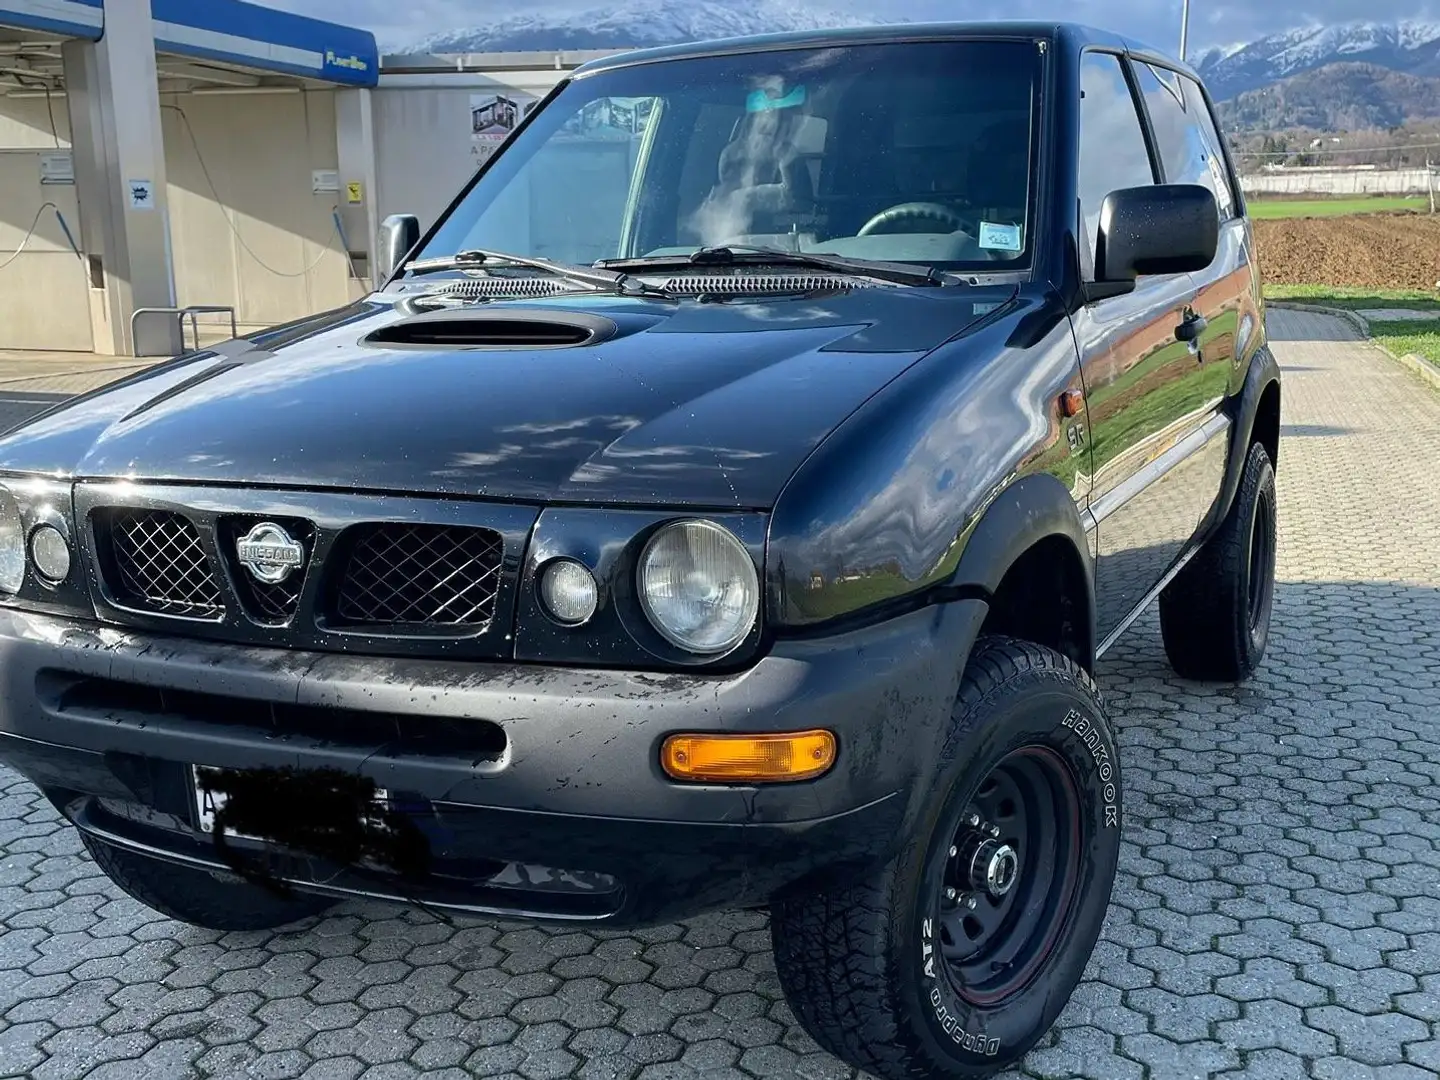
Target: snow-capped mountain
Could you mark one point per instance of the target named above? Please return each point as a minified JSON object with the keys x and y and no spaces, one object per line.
{"x":1412,"y":47}
{"x":639,"y":24}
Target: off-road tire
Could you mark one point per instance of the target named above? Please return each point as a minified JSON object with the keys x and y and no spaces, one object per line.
{"x":860,"y":963}
{"x":198,"y":897}
{"x":1214,"y":624}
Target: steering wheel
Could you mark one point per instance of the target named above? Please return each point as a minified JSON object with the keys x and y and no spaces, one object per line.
{"x":921,"y":211}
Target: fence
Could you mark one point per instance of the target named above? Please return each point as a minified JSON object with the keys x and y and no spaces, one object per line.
{"x":1322,"y":181}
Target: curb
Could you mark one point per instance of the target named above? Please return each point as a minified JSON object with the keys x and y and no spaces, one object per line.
{"x":1417,"y":364}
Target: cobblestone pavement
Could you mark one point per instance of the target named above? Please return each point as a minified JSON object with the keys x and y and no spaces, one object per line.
{"x":1277,"y":912}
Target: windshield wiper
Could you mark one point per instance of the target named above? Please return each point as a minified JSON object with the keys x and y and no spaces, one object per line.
{"x":746,"y":255}
{"x":595,"y":276}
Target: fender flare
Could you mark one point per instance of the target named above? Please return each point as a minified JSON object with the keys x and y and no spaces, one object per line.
{"x":1032,"y":509}
{"x":1263,"y":372}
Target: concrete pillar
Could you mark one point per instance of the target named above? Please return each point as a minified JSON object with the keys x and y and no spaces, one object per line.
{"x":355,"y":138}
{"x":120,"y":179}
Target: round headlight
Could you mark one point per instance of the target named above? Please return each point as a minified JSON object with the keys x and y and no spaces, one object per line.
{"x":699,"y":587}
{"x":51,"y":552}
{"x":568,"y":592}
{"x":12,"y":545}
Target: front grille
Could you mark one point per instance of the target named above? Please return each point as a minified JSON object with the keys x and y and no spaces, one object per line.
{"x":157,"y":563}
{"x":419,"y":575}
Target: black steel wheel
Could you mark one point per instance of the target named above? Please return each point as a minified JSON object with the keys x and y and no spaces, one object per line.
{"x":1260,"y":582}
{"x":956,"y":956}
{"x":1011,"y":876}
{"x":1215,"y":615}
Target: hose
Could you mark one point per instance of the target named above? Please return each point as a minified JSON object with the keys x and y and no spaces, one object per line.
{"x":34,"y":225}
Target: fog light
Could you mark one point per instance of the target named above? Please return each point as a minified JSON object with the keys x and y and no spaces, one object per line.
{"x":51,"y":553}
{"x":749,"y":759}
{"x":568,"y":592}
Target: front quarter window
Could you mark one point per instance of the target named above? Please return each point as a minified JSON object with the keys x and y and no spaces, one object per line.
{"x":907,"y":152}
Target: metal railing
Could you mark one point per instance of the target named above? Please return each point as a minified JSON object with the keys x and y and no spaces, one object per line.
{"x":193,"y":313}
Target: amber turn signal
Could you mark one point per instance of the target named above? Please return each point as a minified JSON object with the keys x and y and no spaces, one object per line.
{"x":749,"y":759}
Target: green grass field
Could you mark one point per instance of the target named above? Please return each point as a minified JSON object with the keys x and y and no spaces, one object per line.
{"x":1335,"y":296}
{"x":1420,"y":337}
{"x":1275,"y":209}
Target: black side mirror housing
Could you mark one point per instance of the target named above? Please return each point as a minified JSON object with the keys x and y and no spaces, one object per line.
{"x":1161,"y":229}
{"x":399,"y":233}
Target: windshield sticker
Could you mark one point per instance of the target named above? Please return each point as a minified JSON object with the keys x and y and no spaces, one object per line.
{"x":766,"y":99}
{"x":1000,"y":237}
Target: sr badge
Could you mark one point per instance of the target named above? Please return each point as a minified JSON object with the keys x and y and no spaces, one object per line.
{"x":270,"y":553}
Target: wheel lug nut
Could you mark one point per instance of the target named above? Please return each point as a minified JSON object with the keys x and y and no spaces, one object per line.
{"x":954,"y":851}
{"x":973,"y":820}
{"x":951,"y":894}
{"x":994,"y":830}
{"x":971,"y":903}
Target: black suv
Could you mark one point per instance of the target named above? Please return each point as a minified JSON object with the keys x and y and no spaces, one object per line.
{"x":723,"y":505}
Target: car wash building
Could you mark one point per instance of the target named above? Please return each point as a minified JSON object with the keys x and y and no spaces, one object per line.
{"x":164,"y":155}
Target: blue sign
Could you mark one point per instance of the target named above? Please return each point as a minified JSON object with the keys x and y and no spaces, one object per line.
{"x":229,"y":31}
{"x":266,"y":40}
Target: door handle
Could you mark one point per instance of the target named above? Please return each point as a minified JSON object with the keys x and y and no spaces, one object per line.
{"x":1191,"y":329}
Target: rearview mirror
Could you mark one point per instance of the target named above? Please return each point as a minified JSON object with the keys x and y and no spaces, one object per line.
{"x":399,"y":233}
{"x":1161,"y":229}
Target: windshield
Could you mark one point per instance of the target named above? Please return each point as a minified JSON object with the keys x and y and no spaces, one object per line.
{"x":909,"y":152}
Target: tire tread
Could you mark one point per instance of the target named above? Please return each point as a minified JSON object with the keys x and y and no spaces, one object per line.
{"x":1203,"y":620}
{"x":832,"y":948}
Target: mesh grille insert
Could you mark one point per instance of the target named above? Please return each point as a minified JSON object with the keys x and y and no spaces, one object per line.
{"x":158,"y":564}
{"x":420,"y":575}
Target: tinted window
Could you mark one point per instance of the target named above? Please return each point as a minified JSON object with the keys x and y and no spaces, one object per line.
{"x":1113,"y":154}
{"x":1185,"y":147}
{"x":802,"y":148}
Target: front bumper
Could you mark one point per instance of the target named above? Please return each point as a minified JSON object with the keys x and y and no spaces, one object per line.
{"x":537,"y":789}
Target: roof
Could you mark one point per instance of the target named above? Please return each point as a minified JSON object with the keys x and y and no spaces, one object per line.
{"x":73,"y":18}
{"x":1076,"y":35}
{"x":223,"y":31}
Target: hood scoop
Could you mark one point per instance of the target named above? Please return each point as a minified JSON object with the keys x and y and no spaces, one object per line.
{"x":488,"y":329}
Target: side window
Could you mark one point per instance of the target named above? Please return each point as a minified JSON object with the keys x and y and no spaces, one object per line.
{"x":1195,"y":99}
{"x":1186,"y":149}
{"x":1113,"y":154}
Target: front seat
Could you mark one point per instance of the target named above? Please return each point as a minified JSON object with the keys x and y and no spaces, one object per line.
{"x":764,"y":193}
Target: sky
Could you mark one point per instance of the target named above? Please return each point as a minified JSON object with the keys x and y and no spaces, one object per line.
{"x":1212,"y":22}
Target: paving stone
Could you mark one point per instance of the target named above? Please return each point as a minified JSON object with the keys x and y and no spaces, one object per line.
{"x":1276,"y":914}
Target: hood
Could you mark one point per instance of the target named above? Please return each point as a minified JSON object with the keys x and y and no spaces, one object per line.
{"x":702,"y":403}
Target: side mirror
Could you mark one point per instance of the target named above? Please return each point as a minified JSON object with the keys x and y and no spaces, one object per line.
{"x":399,"y":233}
{"x":1161,"y":229}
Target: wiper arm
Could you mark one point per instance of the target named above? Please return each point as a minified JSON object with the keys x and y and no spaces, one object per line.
{"x":746,"y":255}
{"x":596,"y":276}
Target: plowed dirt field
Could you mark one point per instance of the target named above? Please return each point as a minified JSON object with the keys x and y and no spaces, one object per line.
{"x":1396,"y":251}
